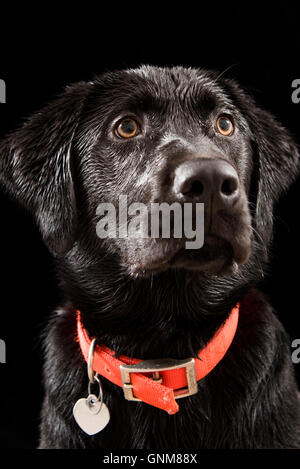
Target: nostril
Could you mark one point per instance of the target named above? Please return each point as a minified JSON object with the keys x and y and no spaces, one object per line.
{"x":197,"y":187}
{"x":229,"y":186}
{"x":192,"y":187}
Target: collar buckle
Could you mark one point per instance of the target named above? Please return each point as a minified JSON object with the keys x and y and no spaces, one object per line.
{"x":155,"y":367}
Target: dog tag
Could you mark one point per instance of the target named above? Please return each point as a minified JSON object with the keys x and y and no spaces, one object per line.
{"x":91,"y":414}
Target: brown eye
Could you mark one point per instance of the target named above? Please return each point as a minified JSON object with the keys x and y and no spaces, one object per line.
{"x":127,"y":128}
{"x":225,"y":125}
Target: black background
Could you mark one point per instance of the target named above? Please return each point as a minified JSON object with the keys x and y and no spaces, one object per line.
{"x":42,"y":50}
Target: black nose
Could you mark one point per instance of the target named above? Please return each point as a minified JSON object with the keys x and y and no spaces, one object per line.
{"x":212,"y":181}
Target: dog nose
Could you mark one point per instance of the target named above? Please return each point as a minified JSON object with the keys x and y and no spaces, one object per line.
{"x":212,"y":181}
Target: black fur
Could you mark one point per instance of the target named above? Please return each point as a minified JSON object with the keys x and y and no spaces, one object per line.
{"x":63,"y":162}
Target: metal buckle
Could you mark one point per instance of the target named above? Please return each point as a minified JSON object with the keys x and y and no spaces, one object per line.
{"x":155,"y":366}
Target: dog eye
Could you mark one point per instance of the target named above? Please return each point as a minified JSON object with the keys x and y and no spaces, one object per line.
{"x":225,"y":125}
{"x":127,"y":128}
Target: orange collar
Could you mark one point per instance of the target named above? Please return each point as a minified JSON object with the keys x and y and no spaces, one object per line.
{"x":159,"y":382}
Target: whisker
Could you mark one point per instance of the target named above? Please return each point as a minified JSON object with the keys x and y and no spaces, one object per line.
{"x":226,"y":70}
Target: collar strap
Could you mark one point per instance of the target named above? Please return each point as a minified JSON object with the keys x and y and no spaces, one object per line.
{"x":159,"y":382}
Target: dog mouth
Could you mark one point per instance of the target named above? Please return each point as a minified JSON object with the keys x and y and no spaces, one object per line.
{"x":215,"y":257}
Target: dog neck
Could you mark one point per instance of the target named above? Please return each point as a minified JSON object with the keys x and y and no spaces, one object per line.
{"x":169,"y":314}
{"x":171,"y":379}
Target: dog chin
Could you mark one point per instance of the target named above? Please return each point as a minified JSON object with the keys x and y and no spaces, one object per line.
{"x":216,"y":257}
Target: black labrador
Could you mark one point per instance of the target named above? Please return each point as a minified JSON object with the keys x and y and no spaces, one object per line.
{"x":160,"y":135}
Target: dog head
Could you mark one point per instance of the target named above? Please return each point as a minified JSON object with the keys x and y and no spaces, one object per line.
{"x":155,"y":135}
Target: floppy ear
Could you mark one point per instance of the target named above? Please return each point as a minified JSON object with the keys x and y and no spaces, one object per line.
{"x":276,"y":166}
{"x":35,"y":167}
{"x":275,"y":160}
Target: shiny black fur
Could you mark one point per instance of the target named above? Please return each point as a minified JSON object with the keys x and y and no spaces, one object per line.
{"x":60,"y":165}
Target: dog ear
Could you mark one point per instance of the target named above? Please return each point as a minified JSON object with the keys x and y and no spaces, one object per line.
{"x":275,"y":160}
{"x":35,"y":167}
{"x":276,"y":166}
